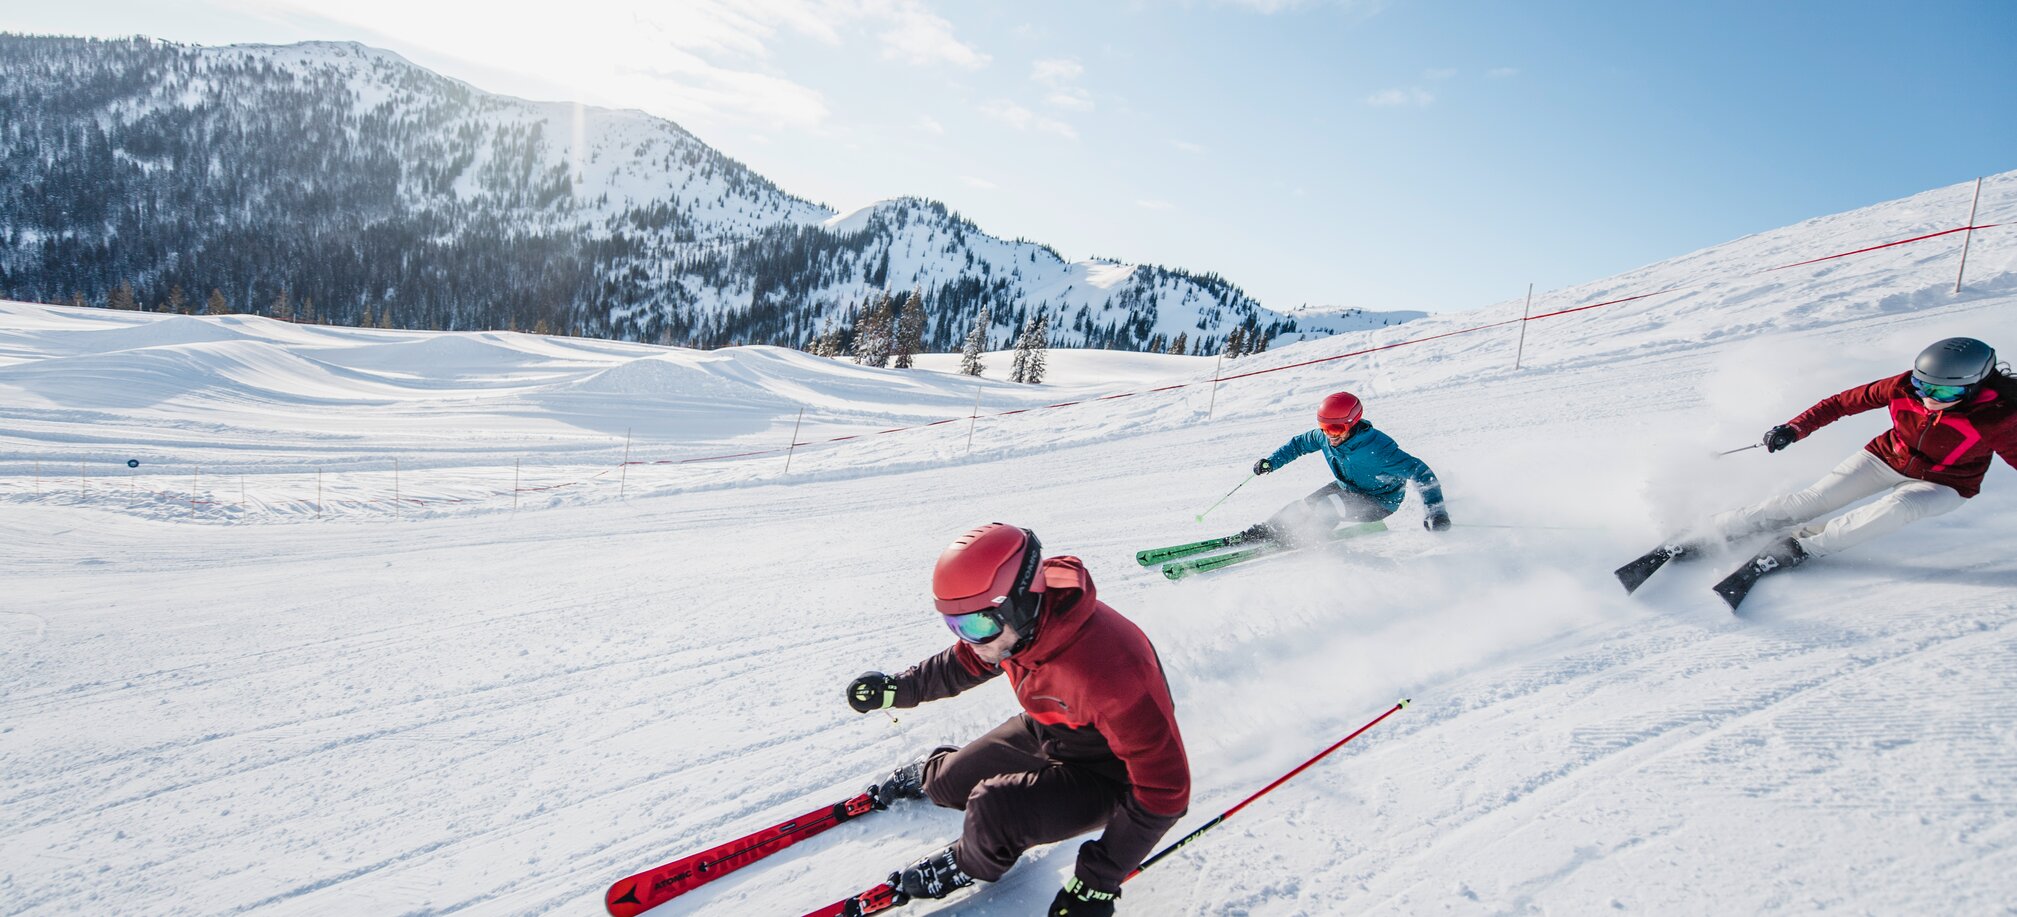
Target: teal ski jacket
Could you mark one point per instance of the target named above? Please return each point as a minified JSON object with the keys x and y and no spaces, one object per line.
{"x":1367,"y":461}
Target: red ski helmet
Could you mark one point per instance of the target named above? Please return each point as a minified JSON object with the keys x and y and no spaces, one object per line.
{"x":1340,"y":410}
{"x":992,"y":567}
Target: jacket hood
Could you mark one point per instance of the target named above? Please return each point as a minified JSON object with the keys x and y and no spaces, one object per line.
{"x":1068,"y":599}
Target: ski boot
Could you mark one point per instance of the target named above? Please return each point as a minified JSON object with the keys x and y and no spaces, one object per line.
{"x":907,"y":781}
{"x":935,"y":876}
{"x":1783,"y":553}
{"x":1259,"y":533}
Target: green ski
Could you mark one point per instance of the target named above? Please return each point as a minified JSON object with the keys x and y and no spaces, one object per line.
{"x":1178,"y":569}
{"x":1151,"y":556}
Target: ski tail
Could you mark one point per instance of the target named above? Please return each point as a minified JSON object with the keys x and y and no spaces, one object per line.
{"x":1635,"y":574}
{"x":653,"y":887}
{"x":882,"y":897}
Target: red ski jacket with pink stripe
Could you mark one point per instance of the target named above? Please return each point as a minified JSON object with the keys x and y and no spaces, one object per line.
{"x":1092,"y":683}
{"x":1950,"y":447}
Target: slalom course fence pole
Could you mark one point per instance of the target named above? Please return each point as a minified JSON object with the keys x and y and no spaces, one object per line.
{"x":1968,"y":236}
{"x":1207,"y":826}
{"x":1214,"y":403}
{"x":1735,"y":451}
{"x":623,"y":477}
{"x":1524,"y":313}
{"x":972,"y":419}
{"x":794,"y":440}
{"x":1228,"y":496}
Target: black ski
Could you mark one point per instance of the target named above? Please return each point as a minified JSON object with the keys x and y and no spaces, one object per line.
{"x":1636,"y":573}
{"x":1780,"y":555}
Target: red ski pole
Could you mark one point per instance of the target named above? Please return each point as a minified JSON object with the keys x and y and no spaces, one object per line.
{"x":1207,"y":826}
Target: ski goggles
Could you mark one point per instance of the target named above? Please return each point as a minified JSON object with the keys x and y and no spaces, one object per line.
{"x":1941,"y":392}
{"x":975,"y":626}
{"x":1335,"y":429}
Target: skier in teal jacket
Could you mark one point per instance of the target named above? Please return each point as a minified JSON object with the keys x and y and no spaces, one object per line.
{"x":1371,"y":476}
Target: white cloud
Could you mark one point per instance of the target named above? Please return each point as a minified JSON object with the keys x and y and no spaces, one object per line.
{"x":920,"y":36}
{"x":1071,"y":98}
{"x":978,"y":182}
{"x":1153,"y":204}
{"x":930,"y":125}
{"x":1056,"y":72}
{"x":707,"y":61}
{"x":1187,"y":146}
{"x":1500,"y":73}
{"x":1023,"y":119}
{"x":1395,"y":98}
{"x":1439,"y":73}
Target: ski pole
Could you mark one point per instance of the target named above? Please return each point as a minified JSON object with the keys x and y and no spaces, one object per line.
{"x":1228,"y":496}
{"x":1735,"y":451}
{"x":1207,"y":826}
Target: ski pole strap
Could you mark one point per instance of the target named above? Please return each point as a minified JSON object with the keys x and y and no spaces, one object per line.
{"x":1207,"y":826}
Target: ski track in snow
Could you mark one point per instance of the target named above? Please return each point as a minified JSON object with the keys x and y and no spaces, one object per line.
{"x":220,"y":709}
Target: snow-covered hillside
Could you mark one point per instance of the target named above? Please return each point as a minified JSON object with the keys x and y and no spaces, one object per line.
{"x":162,"y":167}
{"x":455,"y":707}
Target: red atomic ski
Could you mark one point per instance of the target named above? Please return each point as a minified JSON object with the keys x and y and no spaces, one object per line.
{"x":656,"y":886}
{"x":875,"y":900}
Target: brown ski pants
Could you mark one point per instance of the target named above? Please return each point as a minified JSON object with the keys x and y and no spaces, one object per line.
{"x":1015,"y":797}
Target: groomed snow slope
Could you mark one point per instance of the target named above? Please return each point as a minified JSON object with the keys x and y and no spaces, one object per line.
{"x":466,"y":709}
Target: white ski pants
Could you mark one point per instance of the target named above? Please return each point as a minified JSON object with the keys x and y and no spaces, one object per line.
{"x":1860,"y":475}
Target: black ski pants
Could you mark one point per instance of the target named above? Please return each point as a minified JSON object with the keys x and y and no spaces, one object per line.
{"x":1015,"y":797}
{"x":1324,"y":509}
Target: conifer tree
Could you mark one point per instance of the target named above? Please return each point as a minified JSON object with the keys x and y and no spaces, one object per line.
{"x":874,"y":334}
{"x":1260,"y":342}
{"x":216,"y":305}
{"x":308,"y":310}
{"x":1235,"y":340}
{"x":175,"y":302}
{"x":1181,"y":346}
{"x":283,"y":306}
{"x":976,"y":343}
{"x":122,"y":298}
{"x":1030,"y":349}
{"x":910,"y":330}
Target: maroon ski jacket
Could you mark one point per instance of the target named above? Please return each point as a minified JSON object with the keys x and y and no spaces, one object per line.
{"x":1950,"y":447}
{"x":1092,"y":684}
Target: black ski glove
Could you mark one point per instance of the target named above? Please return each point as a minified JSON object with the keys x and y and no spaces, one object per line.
{"x":1078,"y":899}
{"x":1780,"y":437}
{"x":1263,"y":466}
{"x":871,"y":691}
{"x":1438,"y":519}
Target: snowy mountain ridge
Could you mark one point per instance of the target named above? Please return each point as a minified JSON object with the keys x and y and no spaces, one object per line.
{"x":348,"y":176}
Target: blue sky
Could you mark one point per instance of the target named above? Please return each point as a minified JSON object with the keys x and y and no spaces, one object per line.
{"x":1401,"y":154}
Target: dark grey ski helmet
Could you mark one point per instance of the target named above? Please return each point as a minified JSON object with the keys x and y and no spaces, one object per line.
{"x":1954,"y":361}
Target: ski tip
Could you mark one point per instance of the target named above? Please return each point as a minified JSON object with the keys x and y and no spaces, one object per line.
{"x":1405,"y":702}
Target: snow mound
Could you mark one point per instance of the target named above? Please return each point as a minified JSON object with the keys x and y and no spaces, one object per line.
{"x":223,"y":371}
{"x":172,"y":331}
{"x":434,"y":355}
{"x":691,"y":377}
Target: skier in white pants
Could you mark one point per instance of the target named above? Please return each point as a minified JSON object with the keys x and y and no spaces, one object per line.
{"x":1949,"y":415}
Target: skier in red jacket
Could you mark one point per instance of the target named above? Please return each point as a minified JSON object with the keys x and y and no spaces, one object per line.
{"x":1095,"y":746}
{"x":1949,"y":415}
